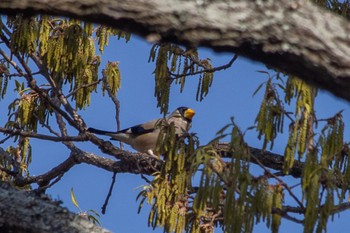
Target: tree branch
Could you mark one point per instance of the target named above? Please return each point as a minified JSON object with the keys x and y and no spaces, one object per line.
{"x":292,"y":35}
{"x":206,"y":70}
{"x":14,"y":132}
{"x":81,"y":87}
{"x":287,"y":209}
{"x":266,"y":158}
{"x":44,"y":179}
{"x":109,"y":194}
{"x":134,"y":163}
{"x":340,"y":208}
{"x":139,"y":163}
{"x":116,"y":104}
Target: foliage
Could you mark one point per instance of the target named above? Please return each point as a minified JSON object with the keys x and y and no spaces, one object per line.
{"x":64,"y":52}
{"x":174,"y":64}
{"x":179,"y":202}
{"x":229,"y":196}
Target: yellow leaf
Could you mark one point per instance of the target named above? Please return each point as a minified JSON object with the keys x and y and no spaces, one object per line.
{"x":74,"y":200}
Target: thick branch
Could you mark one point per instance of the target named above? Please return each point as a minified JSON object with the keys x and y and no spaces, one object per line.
{"x":135,"y":163}
{"x":291,"y":35}
{"x":37,"y":214}
{"x":266,"y":158}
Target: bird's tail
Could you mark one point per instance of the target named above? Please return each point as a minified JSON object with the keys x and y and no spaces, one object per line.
{"x":102,"y":132}
{"x":118,"y":136}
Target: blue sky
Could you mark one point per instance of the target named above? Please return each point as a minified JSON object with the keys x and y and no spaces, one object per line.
{"x":230,"y":95}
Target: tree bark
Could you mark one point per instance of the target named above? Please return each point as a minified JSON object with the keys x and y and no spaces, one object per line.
{"x":291,"y":35}
{"x":25,"y":212}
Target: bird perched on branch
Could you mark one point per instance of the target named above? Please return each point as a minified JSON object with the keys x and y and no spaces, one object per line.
{"x":143,"y":137}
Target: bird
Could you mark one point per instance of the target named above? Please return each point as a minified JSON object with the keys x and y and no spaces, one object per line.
{"x":143,"y":137}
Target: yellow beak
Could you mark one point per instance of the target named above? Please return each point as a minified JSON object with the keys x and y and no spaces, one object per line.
{"x":189,"y":113}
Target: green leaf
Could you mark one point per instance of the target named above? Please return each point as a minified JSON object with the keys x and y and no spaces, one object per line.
{"x":223,"y":129}
{"x":18,"y":85}
{"x":94,"y":212}
{"x":216,"y":139}
{"x":93,"y":216}
{"x":94,"y":220}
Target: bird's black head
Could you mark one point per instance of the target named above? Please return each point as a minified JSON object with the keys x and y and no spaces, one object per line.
{"x":186,"y":112}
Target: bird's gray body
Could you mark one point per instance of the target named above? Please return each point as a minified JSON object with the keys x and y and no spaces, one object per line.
{"x":143,"y":137}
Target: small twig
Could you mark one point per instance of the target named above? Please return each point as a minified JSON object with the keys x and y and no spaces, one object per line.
{"x":82,"y":86}
{"x":5,"y":139}
{"x":211,"y":70}
{"x":10,"y":61}
{"x":321,"y":195}
{"x":279,"y":173}
{"x":42,"y":189}
{"x":145,"y":179}
{"x":287,"y":114}
{"x":340,"y":208}
{"x":338,"y":114}
{"x":283,"y":214}
{"x":116,"y":104}
{"x":49,"y":128}
{"x":294,"y":186}
{"x":62,"y":126}
{"x":14,"y":75}
{"x":35,"y":73}
{"x":5,"y":29}
{"x":104,"y":207}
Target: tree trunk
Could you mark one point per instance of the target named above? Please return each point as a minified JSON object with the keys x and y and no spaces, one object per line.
{"x":25,"y":212}
{"x":291,"y":35}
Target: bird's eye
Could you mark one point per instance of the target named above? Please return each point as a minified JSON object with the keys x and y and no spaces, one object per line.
{"x":182,"y":109}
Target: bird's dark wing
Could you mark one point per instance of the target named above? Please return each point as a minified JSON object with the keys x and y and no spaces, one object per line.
{"x":140,"y":129}
{"x":136,"y":130}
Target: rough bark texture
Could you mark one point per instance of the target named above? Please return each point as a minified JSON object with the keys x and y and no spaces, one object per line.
{"x":291,"y":35}
{"x":38,"y":214}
